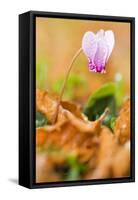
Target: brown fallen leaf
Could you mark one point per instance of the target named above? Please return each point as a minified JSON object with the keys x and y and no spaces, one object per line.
{"x":121,"y":161}
{"x":105,"y":153}
{"x":92,"y":143}
{"x":47,"y":104}
{"x":122,"y":125}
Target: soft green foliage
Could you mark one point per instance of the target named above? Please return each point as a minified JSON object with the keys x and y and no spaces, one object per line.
{"x":119,"y":89}
{"x":74,"y":81}
{"x":75,"y":168}
{"x":112,"y":123}
{"x":71,"y":169}
{"x":40,"y":120}
{"x":109,"y":95}
{"x":41,"y":76}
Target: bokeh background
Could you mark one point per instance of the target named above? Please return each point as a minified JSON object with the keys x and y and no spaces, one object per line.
{"x":57,"y":40}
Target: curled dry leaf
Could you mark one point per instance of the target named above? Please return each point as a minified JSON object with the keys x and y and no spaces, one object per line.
{"x":113,"y":160}
{"x":122,"y":156}
{"x":122,"y":125}
{"x":90,"y":142}
{"x":105,"y":155}
{"x":47,"y":104}
{"x":72,"y":142}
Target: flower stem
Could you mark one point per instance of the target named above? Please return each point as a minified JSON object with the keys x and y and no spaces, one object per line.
{"x":65,"y":81}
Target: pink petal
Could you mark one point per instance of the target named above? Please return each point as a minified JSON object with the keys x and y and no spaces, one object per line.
{"x":89,"y":45}
{"x":110,"y":41}
{"x":101,"y":55}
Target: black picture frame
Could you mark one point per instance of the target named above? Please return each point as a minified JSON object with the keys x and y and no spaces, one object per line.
{"x":27,"y":98}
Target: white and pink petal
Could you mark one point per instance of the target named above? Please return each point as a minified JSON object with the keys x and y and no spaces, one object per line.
{"x":110,"y":41}
{"x":89,"y":45}
{"x":100,"y":34}
{"x":101,"y":55}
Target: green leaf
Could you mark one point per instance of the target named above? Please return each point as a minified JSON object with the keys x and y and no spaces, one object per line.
{"x":40,"y":120}
{"x":101,"y":99}
{"x":112,"y":122}
{"x":119,"y":89}
{"x":73,"y":174}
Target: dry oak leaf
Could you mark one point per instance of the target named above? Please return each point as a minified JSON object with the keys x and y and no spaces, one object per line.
{"x":122,"y":125}
{"x":121,"y":161}
{"x":105,"y":154}
{"x":68,"y":111}
{"x":47,"y":104}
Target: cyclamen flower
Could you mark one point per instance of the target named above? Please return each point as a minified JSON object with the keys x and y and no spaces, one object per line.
{"x":98,"y":48}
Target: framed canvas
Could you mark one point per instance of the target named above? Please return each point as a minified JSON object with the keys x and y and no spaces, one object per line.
{"x":76,"y":99}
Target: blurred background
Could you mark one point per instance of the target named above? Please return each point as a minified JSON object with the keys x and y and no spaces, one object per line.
{"x":57,"y":40}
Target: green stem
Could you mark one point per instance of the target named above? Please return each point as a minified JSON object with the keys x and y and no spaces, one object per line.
{"x":65,"y":81}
